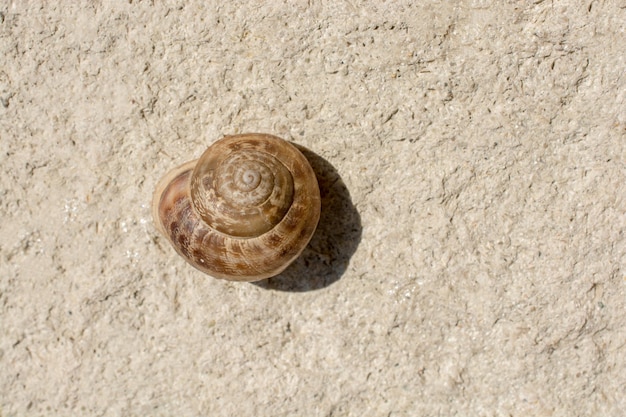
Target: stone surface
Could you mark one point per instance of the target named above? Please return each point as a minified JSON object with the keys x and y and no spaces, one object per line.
{"x":472,"y":256}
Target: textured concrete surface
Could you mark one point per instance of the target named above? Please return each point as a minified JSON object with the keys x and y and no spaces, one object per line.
{"x":471,"y":258}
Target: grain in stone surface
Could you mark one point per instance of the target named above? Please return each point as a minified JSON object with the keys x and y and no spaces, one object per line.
{"x":482,"y":145}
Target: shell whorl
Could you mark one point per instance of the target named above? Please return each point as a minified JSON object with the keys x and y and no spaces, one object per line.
{"x":243,"y":211}
{"x":241,"y":188}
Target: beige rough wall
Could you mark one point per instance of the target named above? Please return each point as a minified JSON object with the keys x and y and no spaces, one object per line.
{"x":471,"y":258}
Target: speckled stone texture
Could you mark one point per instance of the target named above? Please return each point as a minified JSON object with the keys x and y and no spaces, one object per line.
{"x":471,"y":258}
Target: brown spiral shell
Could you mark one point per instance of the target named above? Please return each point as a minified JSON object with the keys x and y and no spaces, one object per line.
{"x":244,"y":211}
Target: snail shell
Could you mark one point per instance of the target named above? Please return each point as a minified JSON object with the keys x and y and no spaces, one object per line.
{"x":244,"y":211}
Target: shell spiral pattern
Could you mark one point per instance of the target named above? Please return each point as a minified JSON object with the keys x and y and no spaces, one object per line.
{"x":244,"y":211}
